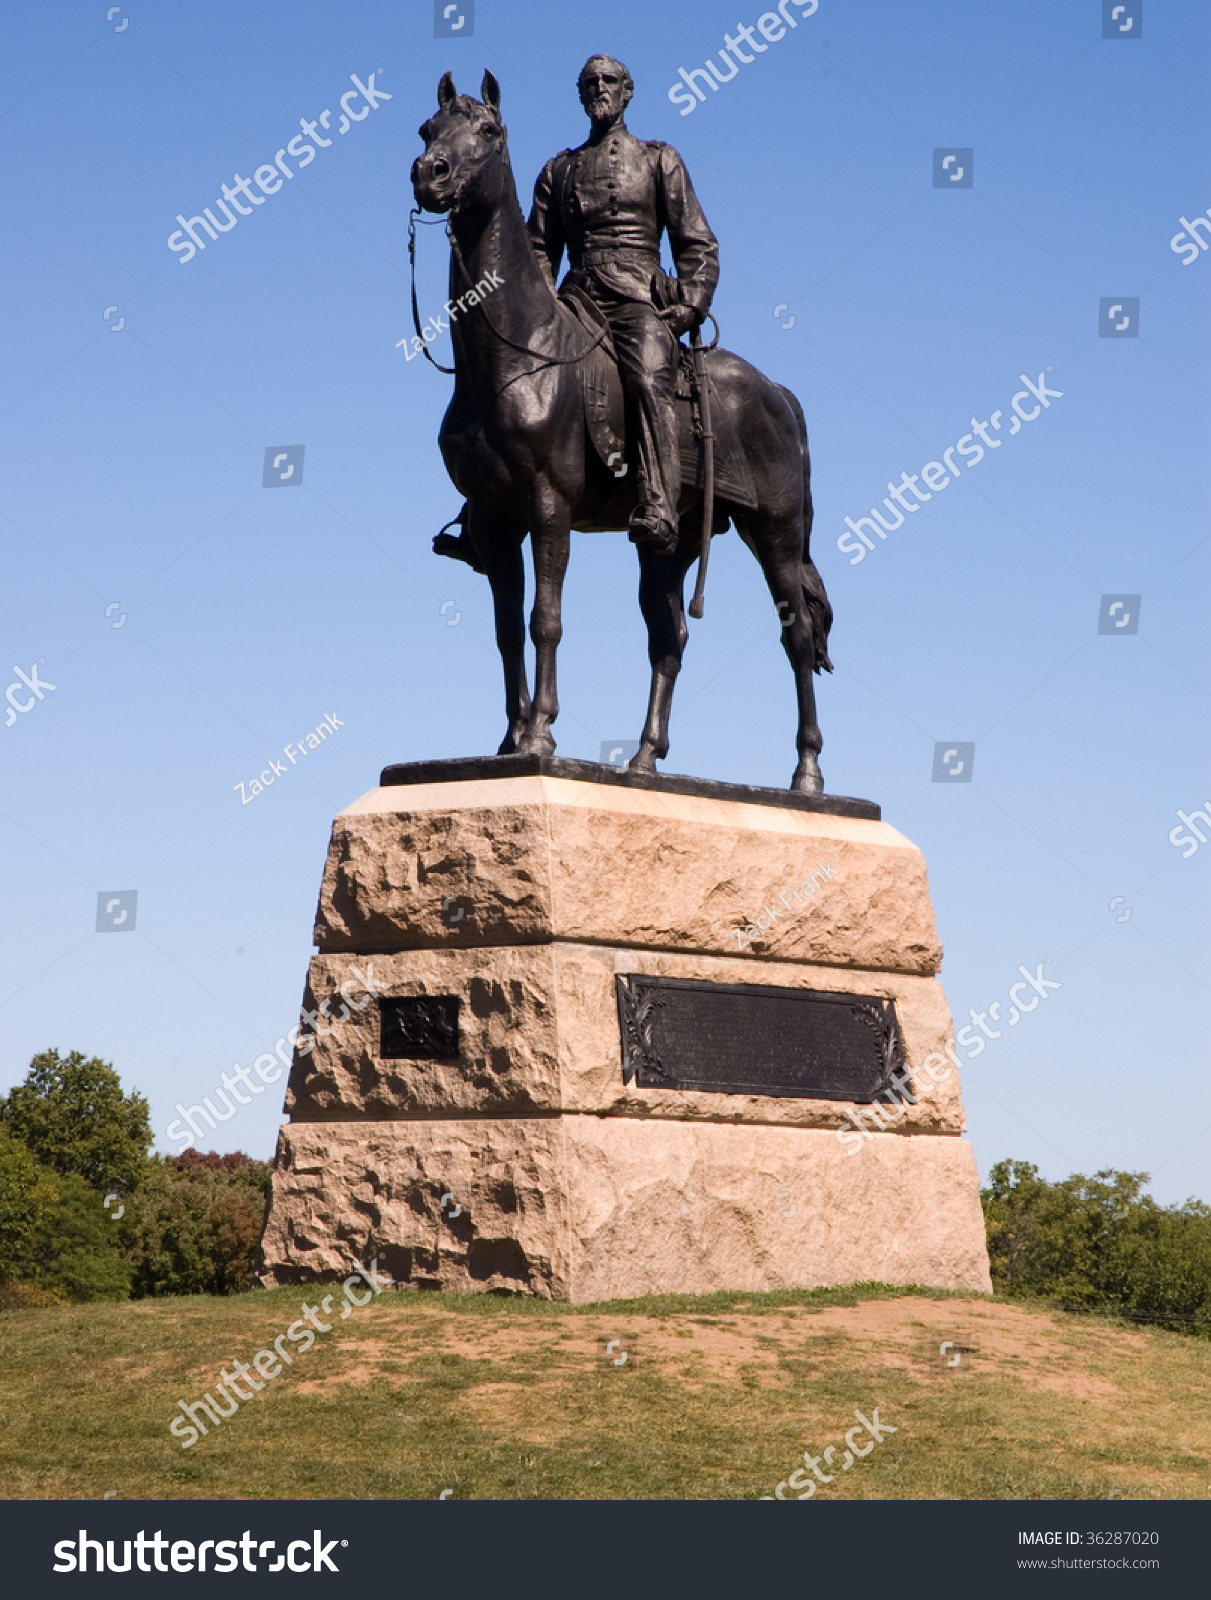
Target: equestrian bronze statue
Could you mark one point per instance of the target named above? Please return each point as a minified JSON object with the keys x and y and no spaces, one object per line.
{"x":580,"y":409}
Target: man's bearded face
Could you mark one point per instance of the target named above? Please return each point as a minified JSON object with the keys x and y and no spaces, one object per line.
{"x":603,"y":91}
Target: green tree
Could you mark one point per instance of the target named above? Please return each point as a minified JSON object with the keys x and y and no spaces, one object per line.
{"x":1099,"y":1244}
{"x":71,"y":1140}
{"x":78,"y":1245}
{"x":27,"y":1191}
{"x":73,"y":1117}
{"x":197,"y":1223}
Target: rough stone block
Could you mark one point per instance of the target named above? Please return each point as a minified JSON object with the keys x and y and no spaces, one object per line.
{"x":533,"y":859}
{"x":585,"y":1208}
{"x":539,"y":1032}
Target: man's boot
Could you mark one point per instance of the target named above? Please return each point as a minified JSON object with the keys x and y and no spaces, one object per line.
{"x":647,"y":526}
{"x":460,"y":548}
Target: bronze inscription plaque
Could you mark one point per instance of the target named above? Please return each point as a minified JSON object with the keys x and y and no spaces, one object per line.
{"x":743,"y":1038}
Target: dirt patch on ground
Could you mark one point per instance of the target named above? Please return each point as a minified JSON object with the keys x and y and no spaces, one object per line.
{"x":1031,"y":1346}
{"x":909,"y":1334}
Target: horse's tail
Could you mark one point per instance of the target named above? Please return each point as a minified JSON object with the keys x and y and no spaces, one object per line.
{"x":820,"y":613}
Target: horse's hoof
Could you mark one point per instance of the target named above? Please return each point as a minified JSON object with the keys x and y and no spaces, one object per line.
{"x":536,"y":744}
{"x":642,"y":761}
{"x":807,"y":780}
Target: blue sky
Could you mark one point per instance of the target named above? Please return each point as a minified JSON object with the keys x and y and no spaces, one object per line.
{"x":132,"y":462}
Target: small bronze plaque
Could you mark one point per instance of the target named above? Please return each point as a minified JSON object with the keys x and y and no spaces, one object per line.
{"x":423,"y":1026}
{"x":744,"y":1038}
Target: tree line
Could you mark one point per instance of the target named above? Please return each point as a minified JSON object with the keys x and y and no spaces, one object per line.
{"x":88,"y":1212}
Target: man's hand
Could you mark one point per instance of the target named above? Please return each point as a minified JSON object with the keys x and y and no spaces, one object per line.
{"x":680,"y":319}
{"x":669,"y":299}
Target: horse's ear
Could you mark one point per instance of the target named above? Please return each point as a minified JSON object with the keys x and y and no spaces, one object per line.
{"x":446,"y":92}
{"x":489,"y":92}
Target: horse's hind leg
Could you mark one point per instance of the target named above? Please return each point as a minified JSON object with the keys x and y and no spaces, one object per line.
{"x":778,"y":546}
{"x":499,"y":550}
{"x":663,"y":605}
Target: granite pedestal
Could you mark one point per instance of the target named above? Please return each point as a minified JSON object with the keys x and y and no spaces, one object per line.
{"x":523,"y":1152}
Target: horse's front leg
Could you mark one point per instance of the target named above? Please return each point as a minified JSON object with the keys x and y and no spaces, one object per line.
{"x":498,"y":547}
{"x":550,"y":535}
{"x":663,"y":605}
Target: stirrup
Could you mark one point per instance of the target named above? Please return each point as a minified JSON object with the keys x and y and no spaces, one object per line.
{"x":457,"y":548}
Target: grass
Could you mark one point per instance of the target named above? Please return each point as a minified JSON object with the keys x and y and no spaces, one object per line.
{"x":513,"y":1399}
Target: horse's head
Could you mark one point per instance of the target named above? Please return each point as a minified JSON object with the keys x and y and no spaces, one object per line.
{"x":465,"y":152}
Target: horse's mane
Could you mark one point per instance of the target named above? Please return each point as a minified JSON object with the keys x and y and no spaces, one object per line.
{"x":464,"y":103}
{"x":468,"y":106}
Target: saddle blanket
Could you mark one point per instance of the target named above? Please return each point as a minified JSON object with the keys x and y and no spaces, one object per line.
{"x":606,"y":417}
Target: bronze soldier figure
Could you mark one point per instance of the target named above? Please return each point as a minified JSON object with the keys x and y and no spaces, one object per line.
{"x":607,"y":203}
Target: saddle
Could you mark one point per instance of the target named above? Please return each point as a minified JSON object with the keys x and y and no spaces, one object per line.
{"x":605,"y":413}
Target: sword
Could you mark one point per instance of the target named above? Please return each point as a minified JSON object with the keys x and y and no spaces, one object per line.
{"x":708,"y":466}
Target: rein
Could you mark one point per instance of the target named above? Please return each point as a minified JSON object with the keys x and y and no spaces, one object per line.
{"x":525,"y":350}
{"x":412,"y":219}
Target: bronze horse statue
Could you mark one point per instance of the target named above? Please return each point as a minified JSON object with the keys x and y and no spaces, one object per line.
{"x":516,"y":442}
